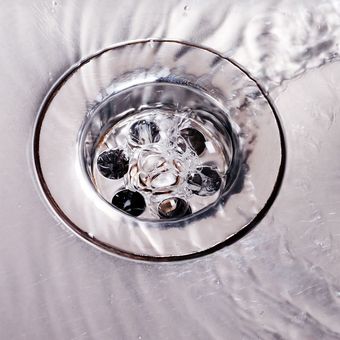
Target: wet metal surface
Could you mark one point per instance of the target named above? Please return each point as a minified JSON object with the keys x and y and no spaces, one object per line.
{"x":281,"y":281}
{"x":224,"y":99}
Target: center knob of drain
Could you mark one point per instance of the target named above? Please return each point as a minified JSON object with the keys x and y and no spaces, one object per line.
{"x":162,"y":167}
{"x":152,"y":172}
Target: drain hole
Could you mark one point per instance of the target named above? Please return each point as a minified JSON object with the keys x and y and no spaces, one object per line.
{"x":113,"y":164}
{"x":174,"y":208}
{"x":129,"y":201}
{"x":144,"y":132}
{"x":195,"y":182}
{"x":206,"y":182}
{"x":195,"y":139}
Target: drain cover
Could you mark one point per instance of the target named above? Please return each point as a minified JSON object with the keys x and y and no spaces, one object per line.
{"x":170,"y":148}
{"x":158,"y":149}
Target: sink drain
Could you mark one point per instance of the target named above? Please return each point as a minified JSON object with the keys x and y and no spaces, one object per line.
{"x":169,"y":150}
{"x":158,"y":149}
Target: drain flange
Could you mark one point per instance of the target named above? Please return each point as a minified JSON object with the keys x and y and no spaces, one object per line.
{"x":158,"y":149}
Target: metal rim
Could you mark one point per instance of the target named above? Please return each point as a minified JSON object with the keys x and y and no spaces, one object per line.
{"x":109,"y":248}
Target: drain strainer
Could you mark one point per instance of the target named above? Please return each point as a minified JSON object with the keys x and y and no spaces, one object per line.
{"x":167,"y":158}
{"x":158,"y":149}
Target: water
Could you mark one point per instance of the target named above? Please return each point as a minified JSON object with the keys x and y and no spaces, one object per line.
{"x":158,"y":129}
{"x":280,"y":281}
{"x":160,"y":152}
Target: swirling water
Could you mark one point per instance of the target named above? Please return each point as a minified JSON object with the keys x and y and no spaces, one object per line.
{"x":281,"y":281}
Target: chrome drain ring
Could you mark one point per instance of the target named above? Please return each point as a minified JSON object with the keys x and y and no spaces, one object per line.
{"x":72,"y":103}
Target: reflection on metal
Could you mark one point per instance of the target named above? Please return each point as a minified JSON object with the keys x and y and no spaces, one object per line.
{"x":198,"y":141}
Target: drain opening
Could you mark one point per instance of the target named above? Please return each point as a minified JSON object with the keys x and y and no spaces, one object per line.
{"x":173,"y":154}
{"x":130,"y":202}
{"x":174,"y":208}
{"x":113,"y":164}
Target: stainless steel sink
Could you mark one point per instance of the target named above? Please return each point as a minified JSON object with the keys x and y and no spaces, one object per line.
{"x":280,"y":280}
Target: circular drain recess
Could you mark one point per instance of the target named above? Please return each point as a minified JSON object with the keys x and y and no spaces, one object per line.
{"x":158,"y":150}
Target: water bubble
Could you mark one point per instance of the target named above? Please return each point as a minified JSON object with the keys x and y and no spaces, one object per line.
{"x":174,"y":208}
{"x":164,"y":180}
{"x":151,"y":162}
{"x":179,"y":144}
